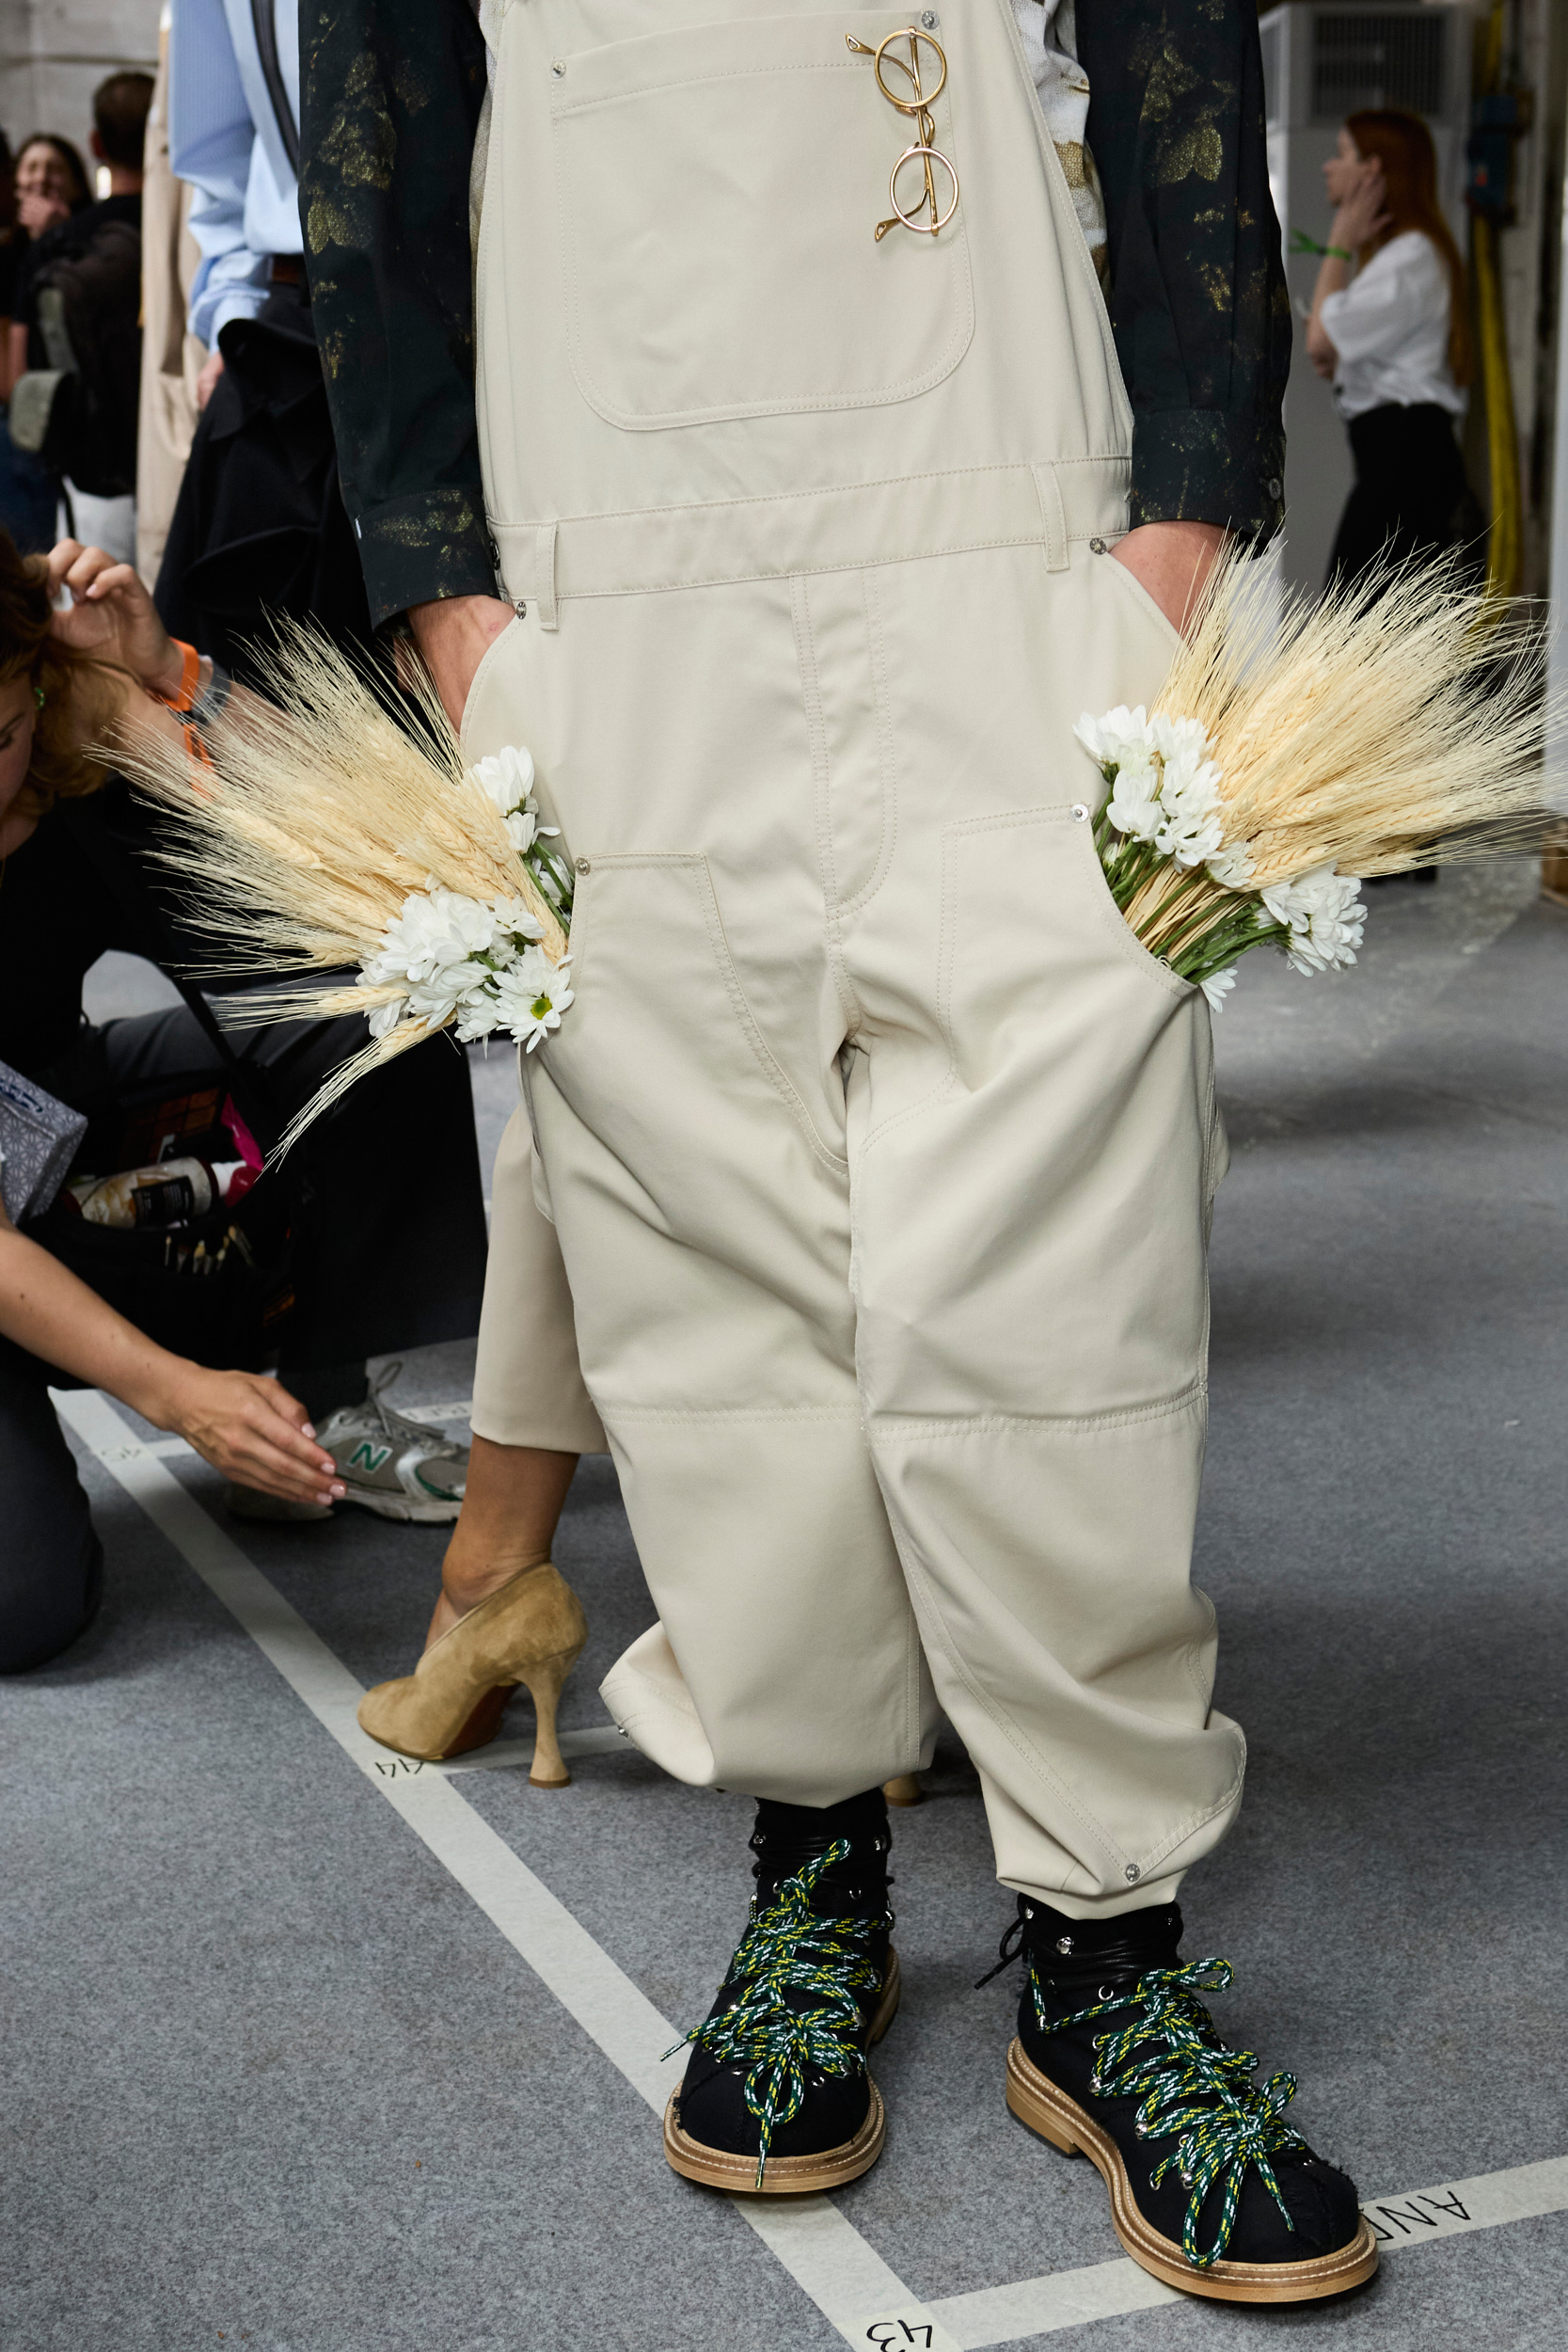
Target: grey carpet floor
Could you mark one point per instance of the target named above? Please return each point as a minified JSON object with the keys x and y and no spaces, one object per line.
{"x":272,"y":2077}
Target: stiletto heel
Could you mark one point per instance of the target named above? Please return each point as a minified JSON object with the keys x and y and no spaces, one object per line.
{"x":532,"y":1631}
{"x":543,"y":1683}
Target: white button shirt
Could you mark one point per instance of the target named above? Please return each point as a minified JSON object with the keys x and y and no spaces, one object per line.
{"x":1390,"y":328}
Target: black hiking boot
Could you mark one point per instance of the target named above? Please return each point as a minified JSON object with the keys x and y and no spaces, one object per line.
{"x":776,"y":2096}
{"x":1117,"y":2055}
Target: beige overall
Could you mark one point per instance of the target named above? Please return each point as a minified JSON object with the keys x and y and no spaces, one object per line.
{"x":879,"y":1152}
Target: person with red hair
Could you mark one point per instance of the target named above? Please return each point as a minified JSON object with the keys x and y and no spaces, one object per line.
{"x":1394,"y":341}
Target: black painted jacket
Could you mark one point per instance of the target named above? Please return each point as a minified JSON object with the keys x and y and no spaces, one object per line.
{"x":391,"y":92}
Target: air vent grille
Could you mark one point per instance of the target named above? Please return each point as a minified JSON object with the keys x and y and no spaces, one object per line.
{"x":1386,"y":60}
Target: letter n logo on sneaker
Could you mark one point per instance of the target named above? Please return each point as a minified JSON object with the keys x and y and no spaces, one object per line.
{"x":367,"y":1457}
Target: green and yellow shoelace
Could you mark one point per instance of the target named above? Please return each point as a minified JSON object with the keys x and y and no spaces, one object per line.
{"x":788,"y":1948}
{"x":1188,"y":2085}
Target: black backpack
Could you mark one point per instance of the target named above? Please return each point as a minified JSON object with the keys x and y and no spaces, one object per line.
{"x":79,"y":414}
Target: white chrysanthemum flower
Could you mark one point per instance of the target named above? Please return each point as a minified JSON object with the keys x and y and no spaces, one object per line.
{"x":522,"y":828}
{"x":436,"y":999}
{"x":1190,"y":827}
{"x":1133,"y":806}
{"x":434,"y":930}
{"x":384,"y":1019}
{"x":1218,"y":986}
{"x":1119,"y":738}
{"x":1178,"y":738}
{"x":507,"y":777}
{"x":513,"y":921}
{"x":1232,"y":867}
{"x":478,"y":1013}
{"x":1326,"y":917}
{"x":531,"y":996}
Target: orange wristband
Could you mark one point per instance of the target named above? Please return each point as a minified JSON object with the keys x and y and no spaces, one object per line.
{"x":190,"y":679}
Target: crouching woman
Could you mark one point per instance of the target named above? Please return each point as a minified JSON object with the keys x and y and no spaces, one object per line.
{"x":376,"y":1263}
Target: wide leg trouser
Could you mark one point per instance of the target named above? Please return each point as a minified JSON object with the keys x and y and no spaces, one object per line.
{"x":881,"y":1155}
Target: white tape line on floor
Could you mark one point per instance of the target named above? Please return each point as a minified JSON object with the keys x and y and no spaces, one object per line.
{"x":823,"y":2252}
{"x":1066,"y":2299}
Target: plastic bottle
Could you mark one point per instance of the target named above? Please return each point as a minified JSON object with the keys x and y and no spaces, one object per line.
{"x":138,"y":1198}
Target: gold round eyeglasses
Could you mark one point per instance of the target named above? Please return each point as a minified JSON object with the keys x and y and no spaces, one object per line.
{"x":927,"y":218}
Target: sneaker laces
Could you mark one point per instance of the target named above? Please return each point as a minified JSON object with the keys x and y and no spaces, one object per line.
{"x":392,"y":1423}
{"x":1189,"y":2086}
{"x":788,"y":1948}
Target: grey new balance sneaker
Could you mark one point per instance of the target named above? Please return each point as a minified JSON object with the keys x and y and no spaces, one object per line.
{"x":398,"y":1468}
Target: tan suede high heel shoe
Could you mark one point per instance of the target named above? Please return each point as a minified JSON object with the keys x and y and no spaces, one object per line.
{"x":529,"y":1631}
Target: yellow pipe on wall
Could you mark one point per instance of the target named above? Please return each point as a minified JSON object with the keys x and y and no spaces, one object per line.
{"x":1504,"y":544}
{"x":1505,"y":539}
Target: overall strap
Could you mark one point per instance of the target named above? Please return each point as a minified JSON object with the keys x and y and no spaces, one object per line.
{"x":263,"y":20}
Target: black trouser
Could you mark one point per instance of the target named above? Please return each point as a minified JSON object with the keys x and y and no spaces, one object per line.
{"x":1409,"y":486}
{"x":51,"y":1561}
{"x":391,"y":1249}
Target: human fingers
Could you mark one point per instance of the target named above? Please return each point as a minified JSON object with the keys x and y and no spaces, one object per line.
{"x":254,"y":1462}
{"x":282,"y":1423}
{"x":207,"y":381}
{"x":61,"y":559}
{"x":115,"y":578}
{"x":89,"y":565}
{"x":278,"y":1396}
{"x":260,"y":1447}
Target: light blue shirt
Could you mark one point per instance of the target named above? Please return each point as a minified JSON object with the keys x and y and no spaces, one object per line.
{"x":224,"y":138}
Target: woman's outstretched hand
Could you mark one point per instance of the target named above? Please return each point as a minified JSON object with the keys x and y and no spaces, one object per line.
{"x":249,"y":1428}
{"x":111,"y":616}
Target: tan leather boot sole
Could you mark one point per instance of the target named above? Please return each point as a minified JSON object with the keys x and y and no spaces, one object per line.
{"x":1037,"y":2101}
{"x":789,"y":2176}
{"x":529,"y":1631}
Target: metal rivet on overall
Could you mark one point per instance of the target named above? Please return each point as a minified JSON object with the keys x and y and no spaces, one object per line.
{"x":1079,"y":812}
{"x":930,"y":20}
{"x":584,"y":867}
{"x":1131,"y":1872}
{"x":1097,"y":546}
{"x":520,"y":609}
{"x":1063,"y":1943}
{"x":557,"y":69}
{"x":1273,"y":485}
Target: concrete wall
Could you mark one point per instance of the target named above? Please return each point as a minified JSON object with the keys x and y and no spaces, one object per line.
{"x":54,"y":53}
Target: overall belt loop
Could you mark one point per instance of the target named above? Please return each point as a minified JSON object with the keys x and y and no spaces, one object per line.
{"x":544,"y":575}
{"x":1053,"y":515}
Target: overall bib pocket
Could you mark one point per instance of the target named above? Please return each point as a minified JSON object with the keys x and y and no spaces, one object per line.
{"x":719,"y":189}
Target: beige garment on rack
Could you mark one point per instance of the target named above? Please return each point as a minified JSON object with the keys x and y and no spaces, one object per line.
{"x":172,"y":358}
{"x":880,"y":1151}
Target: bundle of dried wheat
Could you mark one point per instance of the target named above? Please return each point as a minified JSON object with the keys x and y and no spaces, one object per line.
{"x":321,"y":833}
{"x":1395,"y":723}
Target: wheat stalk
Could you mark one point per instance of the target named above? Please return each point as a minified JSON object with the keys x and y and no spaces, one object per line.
{"x":312,"y":821}
{"x":319,"y":815}
{"x":1395,"y":722}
